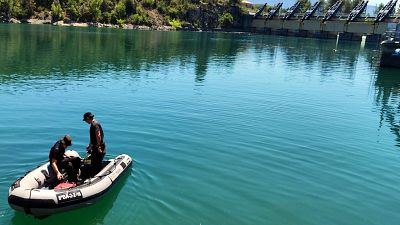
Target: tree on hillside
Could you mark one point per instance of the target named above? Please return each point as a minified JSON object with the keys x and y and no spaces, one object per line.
{"x":329,"y":3}
{"x":378,"y":8}
{"x":354,"y":3}
{"x":44,"y":3}
{"x":12,"y":8}
{"x":130,"y":7}
{"x":234,"y":2}
{"x":350,"y":5}
{"x":140,"y":12}
{"x":305,"y":4}
{"x":57,"y":12}
{"x":89,"y":10}
{"x":225,"y":20}
{"x":322,"y":6}
{"x":72,"y":9}
{"x":347,"y":6}
{"x":29,"y":6}
{"x":5,"y":8}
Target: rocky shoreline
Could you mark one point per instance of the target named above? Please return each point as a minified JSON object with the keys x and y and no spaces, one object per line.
{"x":90,"y":24}
{"x":205,"y":17}
{"x":186,"y":27}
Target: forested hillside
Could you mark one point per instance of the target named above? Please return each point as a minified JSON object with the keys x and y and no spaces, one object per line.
{"x":177,"y":13}
{"x":153,"y":13}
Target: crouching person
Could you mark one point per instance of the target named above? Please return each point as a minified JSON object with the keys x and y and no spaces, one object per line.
{"x":57,"y":162}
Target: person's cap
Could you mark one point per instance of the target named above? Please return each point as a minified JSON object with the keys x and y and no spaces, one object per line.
{"x":67,"y":140}
{"x":87,"y":115}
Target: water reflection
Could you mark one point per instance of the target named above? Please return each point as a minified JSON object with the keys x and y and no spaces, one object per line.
{"x":67,"y":53}
{"x":302,"y":53}
{"x":214,"y":47}
{"x":326,"y":55}
{"x":387,"y":86}
{"x":46,"y":52}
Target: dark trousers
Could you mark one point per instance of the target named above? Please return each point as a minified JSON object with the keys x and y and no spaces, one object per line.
{"x":97,"y":160}
{"x":69,"y":167}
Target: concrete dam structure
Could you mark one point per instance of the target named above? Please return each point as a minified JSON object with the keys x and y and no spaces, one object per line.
{"x":331,"y":24}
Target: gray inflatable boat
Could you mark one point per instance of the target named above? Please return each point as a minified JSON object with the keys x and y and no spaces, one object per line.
{"x":28,"y":194}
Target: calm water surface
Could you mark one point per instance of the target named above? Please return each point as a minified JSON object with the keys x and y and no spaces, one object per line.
{"x":224,"y":128}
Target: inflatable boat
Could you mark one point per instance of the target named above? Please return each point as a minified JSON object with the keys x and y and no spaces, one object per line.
{"x":390,"y":53}
{"x":29,"y":194}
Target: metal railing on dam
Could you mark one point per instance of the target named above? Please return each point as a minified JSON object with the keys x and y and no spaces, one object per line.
{"x":332,"y":24}
{"x":316,"y":28}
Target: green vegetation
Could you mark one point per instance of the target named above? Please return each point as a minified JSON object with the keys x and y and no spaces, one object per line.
{"x":175,"y":23}
{"x":349,"y":5}
{"x":305,"y":4}
{"x":226,"y":19}
{"x":56,"y":10}
{"x":380,"y":6}
{"x":137,"y":12}
{"x":176,"y":13}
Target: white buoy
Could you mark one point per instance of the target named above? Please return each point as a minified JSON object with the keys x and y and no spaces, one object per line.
{"x":337,"y":42}
{"x":363,"y":38}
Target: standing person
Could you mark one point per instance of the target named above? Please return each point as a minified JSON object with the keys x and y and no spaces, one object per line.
{"x":96,"y":147}
{"x":56,"y":158}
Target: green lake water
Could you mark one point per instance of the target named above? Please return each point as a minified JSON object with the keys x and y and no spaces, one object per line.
{"x":224,"y":128}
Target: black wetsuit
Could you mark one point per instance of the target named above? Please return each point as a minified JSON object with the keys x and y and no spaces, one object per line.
{"x":67,"y":166}
{"x":57,"y":152}
{"x":96,"y":156}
